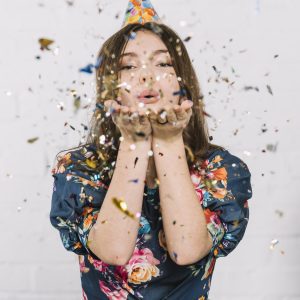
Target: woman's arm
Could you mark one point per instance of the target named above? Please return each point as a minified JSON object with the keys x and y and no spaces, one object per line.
{"x":183,"y":218}
{"x":114,"y":235}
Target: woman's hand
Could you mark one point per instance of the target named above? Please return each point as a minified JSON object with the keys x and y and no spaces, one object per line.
{"x":134,"y":125}
{"x":168,"y":124}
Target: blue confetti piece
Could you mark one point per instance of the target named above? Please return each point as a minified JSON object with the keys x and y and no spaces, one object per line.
{"x":181,"y":92}
{"x":99,"y":106}
{"x":134,"y":180}
{"x":87,"y":69}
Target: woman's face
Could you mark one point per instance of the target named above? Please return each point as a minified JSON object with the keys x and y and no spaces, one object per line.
{"x":147,"y":77}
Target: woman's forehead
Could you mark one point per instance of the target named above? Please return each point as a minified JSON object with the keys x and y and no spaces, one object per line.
{"x":145,"y":43}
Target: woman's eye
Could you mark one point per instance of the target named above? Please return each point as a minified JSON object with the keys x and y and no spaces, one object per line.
{"x":128,"y":67}
{"x":165,"y":65}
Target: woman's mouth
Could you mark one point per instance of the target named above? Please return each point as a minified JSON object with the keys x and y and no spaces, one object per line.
{"x":148,"y":96}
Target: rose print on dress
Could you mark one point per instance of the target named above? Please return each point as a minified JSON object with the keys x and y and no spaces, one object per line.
{"x":142,"y":266}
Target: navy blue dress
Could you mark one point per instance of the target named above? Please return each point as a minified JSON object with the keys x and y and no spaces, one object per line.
{"x":222,"y":183}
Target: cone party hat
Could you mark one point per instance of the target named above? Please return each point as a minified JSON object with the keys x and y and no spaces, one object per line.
{"x":140,"y":11}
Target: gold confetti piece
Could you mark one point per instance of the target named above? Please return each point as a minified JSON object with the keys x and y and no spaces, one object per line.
{"x":44,"y":43}
{"x":190,"y":153}
{"x":88,"y":243}
{"x":121,"y":205}
{"x":31,"y":141}
{"x":91,"y":163}
{"x":76,"y":103}
{"x":235,"y":223}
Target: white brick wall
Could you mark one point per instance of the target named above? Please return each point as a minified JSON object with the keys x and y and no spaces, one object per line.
{"x":33,"y":262}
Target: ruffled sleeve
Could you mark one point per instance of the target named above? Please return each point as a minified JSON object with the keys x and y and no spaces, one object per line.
{"x":223,"y":184}
{"x":76,"y":200}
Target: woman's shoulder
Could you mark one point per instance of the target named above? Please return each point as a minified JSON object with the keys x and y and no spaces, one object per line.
{"x":81,"y":162}
{"x":222,"y":159}
{"x":225,"y":158}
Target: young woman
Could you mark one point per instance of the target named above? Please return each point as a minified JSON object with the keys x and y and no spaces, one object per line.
{"x":148,"y":203}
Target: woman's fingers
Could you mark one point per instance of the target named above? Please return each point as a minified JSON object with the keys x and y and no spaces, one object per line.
{"x":171,"y":116}
{"x":143,"y":118}
{"x":180,"y":113}
{"x":111,"y":106}
{"x":186,"y":104}
{"x":124,"y":115}
{"x":162,"y":116}
{"x":134,"y":118}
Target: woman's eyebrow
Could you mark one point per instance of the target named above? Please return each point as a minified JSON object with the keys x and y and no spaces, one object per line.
{"x":133,"y":54}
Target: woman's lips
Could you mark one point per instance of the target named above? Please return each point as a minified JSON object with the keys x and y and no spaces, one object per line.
{"x":148,"y":100}
{"x":148,"y":96}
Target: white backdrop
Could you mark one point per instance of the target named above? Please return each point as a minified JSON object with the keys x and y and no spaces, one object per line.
{"x":253,"y":43}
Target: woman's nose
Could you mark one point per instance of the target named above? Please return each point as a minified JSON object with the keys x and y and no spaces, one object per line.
{"x":146,"y":76}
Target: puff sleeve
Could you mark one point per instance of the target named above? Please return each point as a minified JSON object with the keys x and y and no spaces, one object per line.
{"x":224,"y":187}
{"x":76,"y":201}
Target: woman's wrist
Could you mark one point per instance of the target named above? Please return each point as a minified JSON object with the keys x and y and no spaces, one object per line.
{"x":140,"y":143}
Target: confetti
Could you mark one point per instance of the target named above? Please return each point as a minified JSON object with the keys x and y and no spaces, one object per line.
{"x":175,"y":255}
{"x":99,"y":106}
{"x":188,"y":38}
{"x":132,"y":147}
{"x":122,"y":206}
{"x":132,"y":35}
{"x":32,"y":140}
{"x":135,"y":161}
{"x":85,"y":127}
{"x":87,"y":69}
{"x":102,"y":139}
{"x":181,"y":92}
{"x":70,"y":2}
{"x":264,"y":129}
{"x":76,"y":103}
{"x":269,"y":90}
{"x":279,"y":212}
{"x":248,"y":88}
{"x":247,"y":153}
{"x":91,"y":163}
{"x":273,"y":243}
{"x":44,"y":43}
{"x":150,"y":153}
{"x":271,"y":147}
{"x":134,"y":180}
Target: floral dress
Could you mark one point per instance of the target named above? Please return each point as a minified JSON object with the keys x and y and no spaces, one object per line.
{"x":222,"y":184}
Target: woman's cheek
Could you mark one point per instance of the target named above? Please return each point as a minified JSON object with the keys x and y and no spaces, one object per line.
{"x":125,"y":98}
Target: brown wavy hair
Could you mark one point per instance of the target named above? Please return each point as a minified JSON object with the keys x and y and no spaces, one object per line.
{"x":195,"y":135}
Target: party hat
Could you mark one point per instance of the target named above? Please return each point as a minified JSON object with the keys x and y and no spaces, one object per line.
{"x":140,"y":11}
